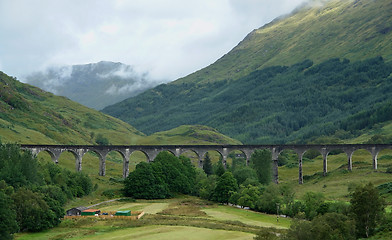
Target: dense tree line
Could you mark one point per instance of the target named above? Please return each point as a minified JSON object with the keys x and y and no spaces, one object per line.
{"x":280,"y":104}
{"x":162,"y":178}
{"x":32,"y":194}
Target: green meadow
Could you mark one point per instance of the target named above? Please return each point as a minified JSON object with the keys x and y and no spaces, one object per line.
{"x":183,"y":217}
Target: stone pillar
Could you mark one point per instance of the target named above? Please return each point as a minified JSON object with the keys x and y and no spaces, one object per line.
{"x":300,"y":173}
{"x":78,"y":157}
{"x":178,"y":152}
{"x":349,"y":153}
{"x":102,"y":164}
{"x":275,"y":172}
{"x":200,"y":154}
{"x":224,"y":156}
{"x":201,"y":162}
{"x":34,"y":151}
{"x":324,"y":152}
{"x":126,"y":163}
{"x":248,"y":155}
{"x":374,"y":156}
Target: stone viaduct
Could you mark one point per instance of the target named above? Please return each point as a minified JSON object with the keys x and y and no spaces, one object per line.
{"x":151,"y":151}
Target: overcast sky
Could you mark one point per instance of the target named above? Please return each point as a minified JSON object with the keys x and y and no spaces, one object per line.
{"x":168,"y":38}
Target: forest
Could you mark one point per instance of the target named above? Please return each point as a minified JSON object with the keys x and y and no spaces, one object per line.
{"x":32,"y":193}
{"x":280,"y":104}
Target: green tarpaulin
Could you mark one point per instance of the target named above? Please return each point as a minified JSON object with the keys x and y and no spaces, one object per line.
{"x":123,"y":213}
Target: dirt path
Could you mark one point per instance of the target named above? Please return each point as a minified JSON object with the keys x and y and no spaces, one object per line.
{"x":108,"y":201}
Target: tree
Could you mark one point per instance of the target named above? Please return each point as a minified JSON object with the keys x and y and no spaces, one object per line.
{"x":288,"y":202}
{"x":207,"y":165}
{"x":8,"y":224}
{"x":220,"y":169}
{"x":330,"y":226}
{"x":243,"y":173}
{"x":367,"y":207}
{"x":180,"y":179}
{"x":262,"y":163}
{"x":101,"y":140}
{"x":269,"y":200}
{"x":16,"y":168}
{"x":248,"y":196}
{"x":145,"y":183}
{"x":32,"y":212}
{"x":207,"y":187}
{"x":313,"y":202}
{"x":225,"y":185}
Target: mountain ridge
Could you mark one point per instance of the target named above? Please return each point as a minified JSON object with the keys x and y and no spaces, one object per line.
{"x":282,"y":42}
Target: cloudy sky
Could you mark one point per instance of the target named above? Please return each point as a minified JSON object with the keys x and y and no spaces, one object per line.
{"x":168,"y":38}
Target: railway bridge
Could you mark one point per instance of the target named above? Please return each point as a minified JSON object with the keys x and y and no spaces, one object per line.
{"x":151,"y":151}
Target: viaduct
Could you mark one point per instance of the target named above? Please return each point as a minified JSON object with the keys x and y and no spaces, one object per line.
{"x":151,"y":151}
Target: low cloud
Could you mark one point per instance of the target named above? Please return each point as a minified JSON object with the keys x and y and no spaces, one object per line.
{"x":169,"y":39}
{"x":124,"y":71}
{"x":130,"y":88}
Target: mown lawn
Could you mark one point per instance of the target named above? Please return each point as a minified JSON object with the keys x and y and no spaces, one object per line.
{"x":247,"y":217}
{"x":170,"y":233}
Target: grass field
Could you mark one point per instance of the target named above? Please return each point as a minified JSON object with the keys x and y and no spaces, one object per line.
{"x":180,"y":218}
{"x":147,"y":232}
{"x":247,"y":217}
{"x":171,"y":233}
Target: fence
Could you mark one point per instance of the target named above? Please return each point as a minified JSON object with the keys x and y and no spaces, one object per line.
{"x":135,"y":215}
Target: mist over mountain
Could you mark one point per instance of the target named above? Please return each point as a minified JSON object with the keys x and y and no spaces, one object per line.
{"x":94,"y":85}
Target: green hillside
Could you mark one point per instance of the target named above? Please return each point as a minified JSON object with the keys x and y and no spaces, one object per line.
{"x":319,"y":70}
{"x":29,"y":115}
{"x":275,"y":105}
{"x":355,"y":30}
{"x":189,"y":135}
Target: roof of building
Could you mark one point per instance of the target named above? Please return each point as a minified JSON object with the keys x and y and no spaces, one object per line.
{"x":91,"y":210}
{"x":81,"y":208}
{"x":78,"y":208}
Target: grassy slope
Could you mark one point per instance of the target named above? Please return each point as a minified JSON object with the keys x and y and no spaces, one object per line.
{"x":335,"y":186}
{"x":29,"y":115}
{"x":341,"y":29}
{"x":384,"y":129}
{"x":32,"y":116}
{"x":189,"y":134}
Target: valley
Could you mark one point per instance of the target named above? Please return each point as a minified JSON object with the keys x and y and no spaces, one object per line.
{"x":312,"y":89}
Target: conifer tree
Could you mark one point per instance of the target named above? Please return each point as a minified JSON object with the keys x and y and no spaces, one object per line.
{"x":207,"y":165}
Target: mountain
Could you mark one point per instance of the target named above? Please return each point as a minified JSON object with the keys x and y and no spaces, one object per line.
{"x":29,"y":115}
{"x":324,"y":70}
{"x":318,"y":30}
{"x":94,"y":85}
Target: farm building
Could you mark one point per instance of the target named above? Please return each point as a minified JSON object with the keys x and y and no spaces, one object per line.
{"x":90,"y":212}
{"x":123,"y":213}
{"x":76,"y":211}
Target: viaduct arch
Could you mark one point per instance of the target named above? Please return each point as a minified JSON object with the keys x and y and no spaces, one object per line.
{"x":151,"y":151}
